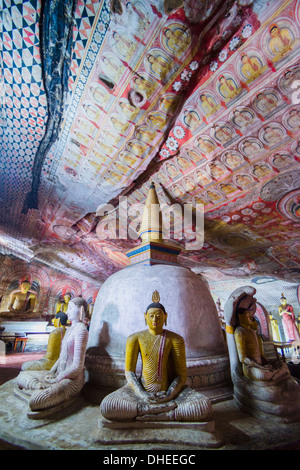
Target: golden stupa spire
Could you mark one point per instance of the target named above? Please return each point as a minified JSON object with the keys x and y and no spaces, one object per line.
{"x":151,"y":225}
{"x":153,"y":249}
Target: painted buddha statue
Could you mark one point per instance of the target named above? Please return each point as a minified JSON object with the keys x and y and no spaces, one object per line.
{"x":21,"y":303}
{"x":53,"y":347}
{"x":290,"y":329}
{"x":45,"y":390}
{"x":161,"y":393}
{"x":249,"y":346}
{"x":262,"y":383}
{"x":62,"y":304}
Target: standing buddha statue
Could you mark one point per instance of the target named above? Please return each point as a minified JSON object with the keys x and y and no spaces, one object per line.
{"x":286,"y":311}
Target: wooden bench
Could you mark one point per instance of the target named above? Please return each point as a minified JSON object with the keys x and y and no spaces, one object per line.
{"x":15,"y":339}
{"x":22,"y":340}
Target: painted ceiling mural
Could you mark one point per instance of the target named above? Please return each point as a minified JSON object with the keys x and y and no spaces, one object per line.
{"x":198,"y":96}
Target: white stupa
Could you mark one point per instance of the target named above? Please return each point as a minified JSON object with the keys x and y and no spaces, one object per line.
{"x":124,"y":297}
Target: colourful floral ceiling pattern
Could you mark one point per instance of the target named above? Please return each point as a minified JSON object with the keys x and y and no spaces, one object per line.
{"x":198,"y":97}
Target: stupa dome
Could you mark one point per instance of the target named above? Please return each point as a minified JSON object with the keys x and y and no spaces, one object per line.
{"x":123,"y":299}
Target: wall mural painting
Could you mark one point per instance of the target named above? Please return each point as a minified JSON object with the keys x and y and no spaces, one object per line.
{"x":34,"y":292}
{"x":235,"y":120}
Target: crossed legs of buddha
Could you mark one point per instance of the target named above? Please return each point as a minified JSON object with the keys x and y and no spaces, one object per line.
{"x":42,"y":395}
{"x":124,"y":405}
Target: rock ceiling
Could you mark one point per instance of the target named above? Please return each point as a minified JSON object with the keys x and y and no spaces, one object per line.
{"x":198,"y":96}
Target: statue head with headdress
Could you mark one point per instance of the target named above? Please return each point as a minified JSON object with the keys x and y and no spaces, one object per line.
{"x":283,"y":299}
{"x":155,"y":302}
{"x":156,"y":315}
{"x":67,"y":297}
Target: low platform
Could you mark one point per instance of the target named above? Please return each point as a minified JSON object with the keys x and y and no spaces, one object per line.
{"x":78,"y":429}
{"x":67,"y":407}
{"x":148,"y":432}
{"x":30,"y":326}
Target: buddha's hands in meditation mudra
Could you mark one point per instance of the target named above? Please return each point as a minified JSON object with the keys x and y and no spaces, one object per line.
{"x":152,"y":402}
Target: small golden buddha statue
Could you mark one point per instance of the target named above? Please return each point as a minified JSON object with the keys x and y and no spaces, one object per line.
{"x":21,"y":302}
{"x":62,"y":304}
{"x":53,"y":347}
{"x":161,"y":394}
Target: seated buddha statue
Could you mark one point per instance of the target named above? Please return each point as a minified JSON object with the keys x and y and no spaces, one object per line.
{"x":262,"y":386}
{"x":44,"y":390}
{"x":161,"y":393}
{"x":62,"y":304}
{"x":53,"y":347}
{"x":21,"y":303}
{"x":250,"y":351}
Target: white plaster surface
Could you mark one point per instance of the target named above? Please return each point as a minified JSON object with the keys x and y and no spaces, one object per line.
{"x":123,"y":298}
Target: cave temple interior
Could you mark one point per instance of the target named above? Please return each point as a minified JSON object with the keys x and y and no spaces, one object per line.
{"x":102,"y":98}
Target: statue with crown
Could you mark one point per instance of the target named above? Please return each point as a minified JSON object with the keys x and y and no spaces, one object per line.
{"x":161,"y":393}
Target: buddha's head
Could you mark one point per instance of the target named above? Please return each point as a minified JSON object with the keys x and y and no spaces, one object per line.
{"x":60,"y":319}
{"x":247,"y":302}
{"x":77,"y":309}
{"x":67,"y":297}
{"x":274,"y":31}
{"x":283,"y":299}
{"x":25,"y":286}
{"x":155,"y":319}
{"x":156,"y":315}
{"x":245,"y":318}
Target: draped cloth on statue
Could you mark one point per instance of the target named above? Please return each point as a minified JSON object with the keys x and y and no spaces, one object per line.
{"x":288,"y":321}
{"x":154,"y":374}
